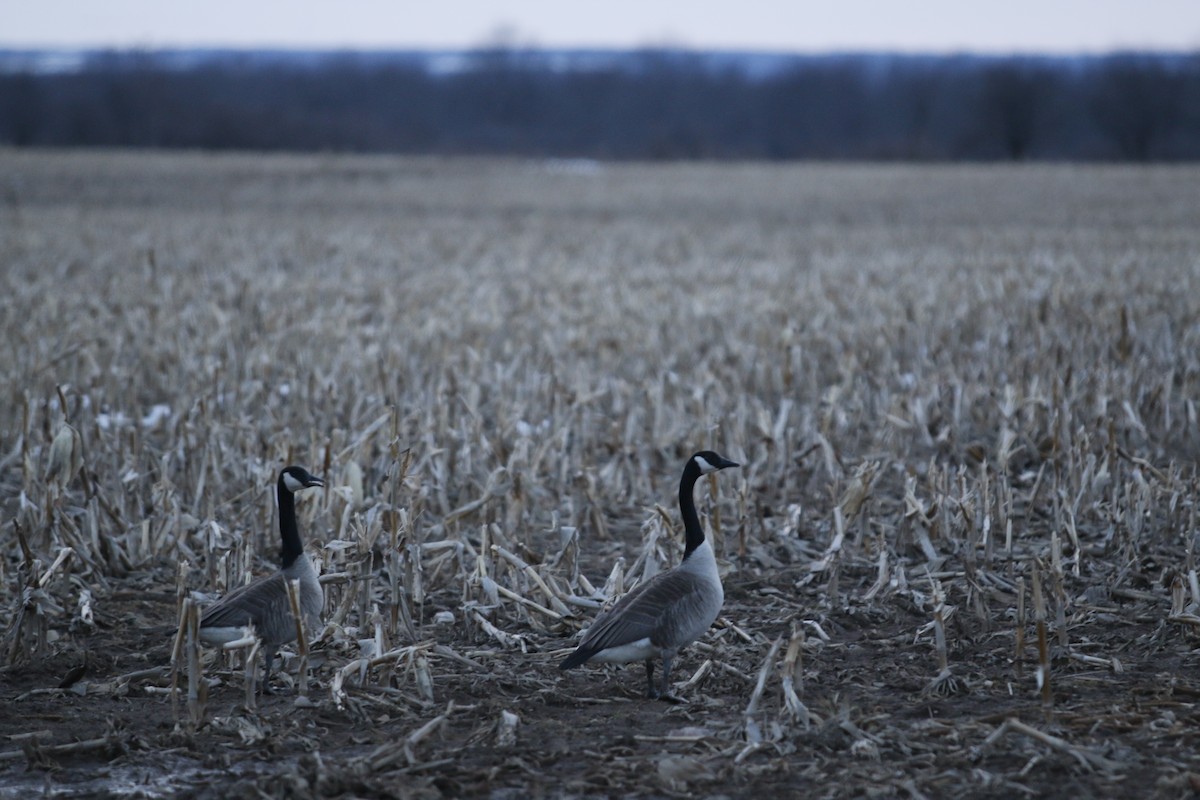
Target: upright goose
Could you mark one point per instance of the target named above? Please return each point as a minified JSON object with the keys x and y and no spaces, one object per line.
{"x":264,"y":603}
{"x":672,"y":609}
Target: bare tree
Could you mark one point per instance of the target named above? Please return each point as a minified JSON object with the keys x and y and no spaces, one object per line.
{"x":1011,"y":101}
{"x":1136,"y":101}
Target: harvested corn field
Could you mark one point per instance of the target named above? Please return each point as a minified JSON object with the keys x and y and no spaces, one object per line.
{"x":958,"y":556}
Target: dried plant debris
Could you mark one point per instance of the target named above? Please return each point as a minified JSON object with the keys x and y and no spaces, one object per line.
{"x":959,"y":557}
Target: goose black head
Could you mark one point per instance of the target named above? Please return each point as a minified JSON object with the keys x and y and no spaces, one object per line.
{"x":296,"y":478}
{"x":707,"y":461}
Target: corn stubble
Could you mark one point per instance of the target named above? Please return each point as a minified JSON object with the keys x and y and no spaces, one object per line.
{"x":948,"y":388}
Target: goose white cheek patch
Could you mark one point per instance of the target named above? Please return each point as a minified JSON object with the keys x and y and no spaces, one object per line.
{"x":291,"y":483}
{"x":704,"y":466}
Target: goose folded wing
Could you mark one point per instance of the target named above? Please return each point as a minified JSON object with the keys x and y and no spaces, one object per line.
{"x":263,"y":604}
{"x":654,"y":611}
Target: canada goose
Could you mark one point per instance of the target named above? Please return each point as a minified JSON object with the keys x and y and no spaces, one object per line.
{"x":264,"y":603}
{"x":672,"y":609}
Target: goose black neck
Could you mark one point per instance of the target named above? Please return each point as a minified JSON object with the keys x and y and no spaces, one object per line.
{"x":692,"y":532}
{"x":292,"y":548}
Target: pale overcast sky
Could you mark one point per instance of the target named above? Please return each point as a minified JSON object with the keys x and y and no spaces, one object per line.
{"x":1056,"y":26}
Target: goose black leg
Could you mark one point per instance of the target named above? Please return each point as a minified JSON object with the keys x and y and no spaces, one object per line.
{"x":266,"y":688}
{"x":665,"y":693}
{"x":651,"y":689}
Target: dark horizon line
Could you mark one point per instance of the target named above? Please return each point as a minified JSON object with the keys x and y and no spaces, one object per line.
{"x":682,"y":49}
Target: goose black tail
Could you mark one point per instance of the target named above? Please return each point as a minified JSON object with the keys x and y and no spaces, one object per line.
{"x":575,"y":659}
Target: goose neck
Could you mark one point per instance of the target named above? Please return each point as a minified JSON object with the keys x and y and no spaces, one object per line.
{"x":289,"y":534}
{"x":692,"y":532}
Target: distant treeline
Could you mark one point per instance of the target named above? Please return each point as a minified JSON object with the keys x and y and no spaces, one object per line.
{"x":638,"y":105}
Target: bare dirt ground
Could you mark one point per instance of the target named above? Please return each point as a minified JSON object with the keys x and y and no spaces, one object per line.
{"x":882,"y":729}
{"x":958,"y":557}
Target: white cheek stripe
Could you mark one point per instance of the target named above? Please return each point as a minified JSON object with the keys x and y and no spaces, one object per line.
{"x":291,"y":483}
{"x":704,"y":466}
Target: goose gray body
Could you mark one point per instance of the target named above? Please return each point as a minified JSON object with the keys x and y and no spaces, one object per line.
{"x":670,"y":611}
{"x":264,"y":604}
